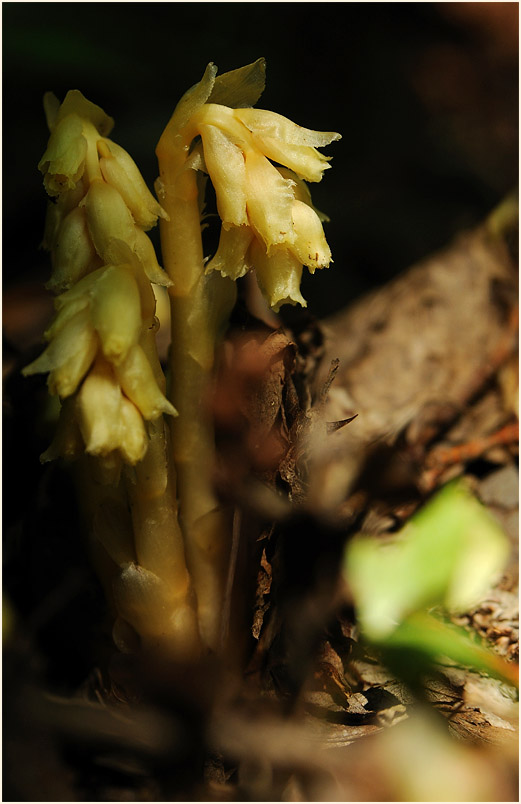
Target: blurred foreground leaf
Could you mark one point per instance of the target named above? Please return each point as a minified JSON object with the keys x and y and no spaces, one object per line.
{"x":446,"y":557}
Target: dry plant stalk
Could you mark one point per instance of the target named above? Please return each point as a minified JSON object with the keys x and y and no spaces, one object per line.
{"x":164,"y":568}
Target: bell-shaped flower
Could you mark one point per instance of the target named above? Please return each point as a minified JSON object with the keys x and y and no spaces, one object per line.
{"x":279,"y":274}
{"x":310,"y":245}
{"x":231,"y":256}
{"x":107,"y":420}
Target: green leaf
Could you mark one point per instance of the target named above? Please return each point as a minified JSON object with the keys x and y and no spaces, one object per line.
{"x":447,"y":555}
{"x":424,"y":637}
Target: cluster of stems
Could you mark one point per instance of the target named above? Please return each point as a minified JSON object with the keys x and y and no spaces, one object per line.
{"x":160,"y":538}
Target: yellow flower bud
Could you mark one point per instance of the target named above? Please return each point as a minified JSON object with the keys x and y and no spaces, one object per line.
{"x":119,"y":170}
{"x":99,"y":410}
{"x":74,"y":253}
{"x":310,"y":245}
{"x":136,"y":377}
{"x":144,"y":251}
{"x":64,"y":159}
{"x":230,"y":258}
{"x":65,"y":378}
{"x":108,"y":219}
{"x":116,"y":311}
{"x":278,"y":275}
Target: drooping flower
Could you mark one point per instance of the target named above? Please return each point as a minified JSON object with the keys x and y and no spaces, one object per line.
{"x":99,"y":358}
{"x":258,"y":162}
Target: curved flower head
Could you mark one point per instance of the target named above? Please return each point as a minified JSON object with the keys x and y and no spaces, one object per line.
{"x":258,"y":162}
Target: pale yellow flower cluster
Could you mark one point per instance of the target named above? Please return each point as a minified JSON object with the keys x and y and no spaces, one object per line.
{"x":268,"y":221}
{"x":101,"y":355}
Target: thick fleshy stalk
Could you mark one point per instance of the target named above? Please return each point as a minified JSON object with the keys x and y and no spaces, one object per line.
{"x":200,"y":306}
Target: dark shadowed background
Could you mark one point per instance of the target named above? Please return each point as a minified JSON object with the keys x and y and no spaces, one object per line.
{"x":424,"y":95}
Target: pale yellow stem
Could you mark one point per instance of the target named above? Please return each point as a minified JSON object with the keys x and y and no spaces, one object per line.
{"x":159,"y":547}
{"x":200,"y":306}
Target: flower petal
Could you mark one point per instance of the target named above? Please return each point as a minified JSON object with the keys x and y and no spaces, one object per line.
{"x":136,"y":377}
{"x":225,"y":164}
{"x":230,"y":257}
{"x":83,"y":288}
{"x":119,"y":169}
{"x":263,"y":123}
{"x":66,"y":346}
{"x":65,"y":378}
{"x":301,"y":191}
{"x":64,"y":159}
{"x":146,"y":255}
{"x":306,"y":162}
{"x":64,"y":315}
{"x":269,"y":201}
{"x":116,"y":311}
